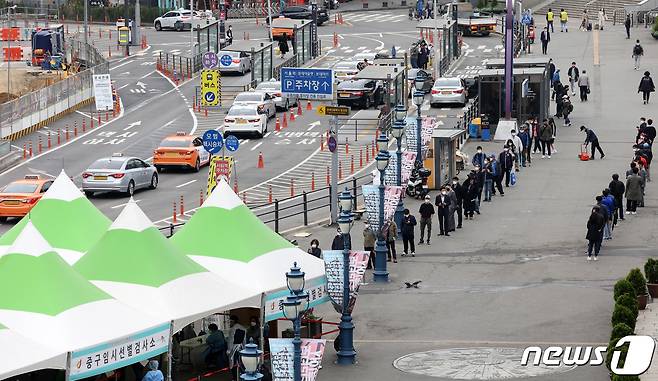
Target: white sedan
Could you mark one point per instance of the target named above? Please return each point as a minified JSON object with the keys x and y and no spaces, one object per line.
{"x":245,"y":118}
{"x":182,"y":19}
{"x":448,"y":90}
{"x":262,"y":100}
{"x":234,"y":62}
{"x":273,"y":89}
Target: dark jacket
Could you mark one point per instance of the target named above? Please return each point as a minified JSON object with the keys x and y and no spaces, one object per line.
{"x":442,"y":205}
{"x":337,"y":243}
{"x":650,"y":132}
{"x":478,"y":159}
{"x":506,"y":160}
{"x":545,"y":132}
{"x":617,"y":188}
{"x":426,"y":210}
{"x":408,"y":224}
{"x":595,"y":226}
{"x":545,"y":36}
{"x":590,"y":136}
{"x":459,"y":192}
{"x":573,"y":73}
{"x":525,"y":138}
{"x":646,"y":85}
{"x":634,"y":185}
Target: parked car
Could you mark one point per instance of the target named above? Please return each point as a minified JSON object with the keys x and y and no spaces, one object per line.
{"x":20,"y":196}
{"x":119,"y":174}
{"x":181,"y":150}
{"x":234,"y":62}
{"x":263,"y":101}
{"x":346,"y":70}
{"x":360,"y":92}
{"x":448,"y":90}
{"x":273,"y":89}
{"x":302,"y":12}
{"x":245,"y":118}
{"x":425,"y":74}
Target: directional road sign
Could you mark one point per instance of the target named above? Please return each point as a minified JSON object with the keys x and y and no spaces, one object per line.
{"x":211,"y":86}
{"x":308,"y":83}
{"x":226,"y":60}
{"x":210,"y":60}
{"x":213,"y":141}
{"x":333,"y":110}
{"x":331,"y":143}
{"x":232,"y":143}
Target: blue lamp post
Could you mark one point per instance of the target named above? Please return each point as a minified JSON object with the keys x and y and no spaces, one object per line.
{"x":381,"y":274}
{"x":398,"y":133}
{"x":419,"y":98}
{"x":346,"y":353}
{"x":292,"y":310}
{"x":250,"y":357}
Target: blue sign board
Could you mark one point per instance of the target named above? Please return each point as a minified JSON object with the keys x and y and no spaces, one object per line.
{"x":331,"y":142}
{"x":308,"y":83}
{"x":209,"y":97}
{"x":232,"y":143}
{"x":213,"y":141}
{"x":226,"y":60}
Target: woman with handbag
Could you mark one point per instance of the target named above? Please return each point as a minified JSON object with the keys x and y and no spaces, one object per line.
{"x":583,"y":84}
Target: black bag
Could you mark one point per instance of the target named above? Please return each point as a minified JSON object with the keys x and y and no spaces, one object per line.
{"x":589,"y":26}
{"x":588,"y":90}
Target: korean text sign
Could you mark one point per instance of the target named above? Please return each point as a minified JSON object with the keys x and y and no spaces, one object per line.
{"x":308,"y":83}
{"x":119,"y":353}
{"x":333,"y":264}
{"x":282,"y":352}
{"x":103,"y":92}
{"x":317,"y":293}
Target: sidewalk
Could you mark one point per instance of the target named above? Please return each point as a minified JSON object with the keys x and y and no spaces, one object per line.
{"x":647,"y":324}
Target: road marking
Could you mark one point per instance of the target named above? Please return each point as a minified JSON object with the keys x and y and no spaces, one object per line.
{"x":187,"y":183}
{"x":481,"y":47}
{"x":487,"y":50}
{"x":595,"y":50}
{"x":122,"y":87}
{"x":266,"y":134}
{"x":256,"y":146}
{"x":124,"y":204}
{"x":41,"y":172}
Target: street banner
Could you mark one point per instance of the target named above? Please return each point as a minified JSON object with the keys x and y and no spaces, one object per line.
{"x":371,"y":198}
{"x":282,"y":358}
{"x":427,"y":127}
{"x":391,"y":173}
{"x":103,"y":92}
{"x":317,"y":294}
{"x":117,"y":354}
{"x":333,"y":264}
{"x":220,"y":166}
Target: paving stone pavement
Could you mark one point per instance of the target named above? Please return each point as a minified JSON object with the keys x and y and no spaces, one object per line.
{"x":647,"y":324}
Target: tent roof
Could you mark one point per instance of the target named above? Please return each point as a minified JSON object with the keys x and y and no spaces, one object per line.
{"x":21,"y":355}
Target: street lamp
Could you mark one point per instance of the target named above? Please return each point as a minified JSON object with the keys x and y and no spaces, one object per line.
{"x":292,"y":310}
{"x":250,"y":357}
{"x":381,"y":274}
{"x":346,"y":352}
{"x":398,"y":131}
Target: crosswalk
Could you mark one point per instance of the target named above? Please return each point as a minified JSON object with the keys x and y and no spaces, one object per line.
{"x":368,"y":17}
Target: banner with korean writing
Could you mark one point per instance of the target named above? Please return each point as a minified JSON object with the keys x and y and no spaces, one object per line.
{"x":371,"y":199}
{"x":427,"y":127}
{"x":391,"y":173}
{"x":119,"y":353}
{"x":220,"y":166}
{"x":282,"y":353}
{"x":333,"y":265}
{"x":317,"y":293}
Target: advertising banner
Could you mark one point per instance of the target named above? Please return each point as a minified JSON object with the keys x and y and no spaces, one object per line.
{"x":391,"y":173}
{"x":103,"y":92}
{"x":282,"y":353}
{"x":427,"y":127}
{"x":371,"y":198}
{"x":317,"y":293}
{"x":333,"y":264}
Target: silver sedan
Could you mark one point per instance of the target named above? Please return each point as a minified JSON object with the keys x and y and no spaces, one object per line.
{"x":273,"y":88}
{"x":262,"y":100}
{"x":118,"y":174}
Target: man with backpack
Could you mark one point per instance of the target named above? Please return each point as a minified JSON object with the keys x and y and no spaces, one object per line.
{"x":638,"y":52}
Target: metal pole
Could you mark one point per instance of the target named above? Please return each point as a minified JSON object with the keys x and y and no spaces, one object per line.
{"x":86,"y":24}
{"x":269,"y":17}
{"x":419,"y":148}
{"x":381,"y":274}
{"x":509,"y":58}
{"x":346,"y":354}
{"x":399,"y":211}
{"x":297,"y":344}
{"x":333,"y":132}
{"x":126,"y":24}
{"x":314,"y":29}
{"x":192,"y":27}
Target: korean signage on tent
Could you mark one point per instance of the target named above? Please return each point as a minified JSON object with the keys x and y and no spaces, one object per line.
{"x":371,"y":198}
{"x":333,"y":264}
{"x":282,"y":353}
{"x":317,"y":294}
{"x":117,"y":354}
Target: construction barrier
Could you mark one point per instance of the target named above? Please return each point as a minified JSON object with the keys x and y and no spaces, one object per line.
{"x":12,"y":54}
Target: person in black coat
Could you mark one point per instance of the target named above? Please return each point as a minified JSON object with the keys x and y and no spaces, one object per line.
{"x":591,"y":138}
{"x":594,"y":232}
{"x":617,"y":189}
{"x":337,"y":243}
{"x":545,"y":38}
{"x":408,"y":226}
{"x":459,"y":193}
{"x":646,"y":87}
{"x":506,"y":162}
{"x":442,"y":203}
{"x":470,"y":196}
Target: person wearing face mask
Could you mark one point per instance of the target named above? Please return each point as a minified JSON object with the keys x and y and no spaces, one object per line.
{"x":506,"y":161}
{"x":478,"y":158}
{"x":369,"y":239}
{"x":315,"y":250}
{"x":594,"y":235}
{"x":253,"y":332}
{"x":391,"y":236}
{"x":488,"y":180}
{"x":524,"y":135}
{"x":451,"y":210}
{"x":458,"y":205}
{"x":426,"y":212}
{"x":442,"y":203}
{"x":408,"y":226}
{"x":497,"y":176}
{"x":518,"y":143}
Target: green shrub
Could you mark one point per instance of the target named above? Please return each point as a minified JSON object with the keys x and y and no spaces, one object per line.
{"x":651,"y":270}
{"x":620,"y":330}
{"x":616,"y":377}
{"x":623,"y":287}
{"x":611,"y":349}
{"x":637,"y":280}
{"x":629,"y":302}
{"x":622,"y":314}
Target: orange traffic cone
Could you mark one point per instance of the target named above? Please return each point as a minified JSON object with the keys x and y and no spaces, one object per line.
{"x":299,"y":108}
{"x":309,"y":106}
{"x":285,"y":120}
{"x":292,"y":116}
{"x":278,"y":125}
{"x":261,"y":163}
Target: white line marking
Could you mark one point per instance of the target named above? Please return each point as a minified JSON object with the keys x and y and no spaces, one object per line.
{"x":256,"y":146}
{"x":187,"y":183}
{"x":124,"y":204}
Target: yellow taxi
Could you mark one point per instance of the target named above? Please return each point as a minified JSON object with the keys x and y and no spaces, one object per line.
{"x":19,"y":197}
{"x":181,"y":150}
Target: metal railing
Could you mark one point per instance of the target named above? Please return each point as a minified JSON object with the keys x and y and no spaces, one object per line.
{"x":472,"y":112}
{"x":241,"y":11}
{"x":290,"y":62}
{"x":179,"y":66}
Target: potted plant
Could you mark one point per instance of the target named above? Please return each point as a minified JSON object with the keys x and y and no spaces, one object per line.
{"x":654,"y":30}
{"x":651,"y":272}
{"x":313,"y":323}
{"x":629,"y":301}
{"x":620,"y":330}
{"x":623,"y":287}
{"x":640,"y":285}
{"x":624,"y":315}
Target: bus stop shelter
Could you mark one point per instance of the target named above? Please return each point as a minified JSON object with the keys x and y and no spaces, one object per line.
{"x":208,"y":39}
{"x":393,"y":78}
{"x":261,"y":53}
{"x":299,"y":33}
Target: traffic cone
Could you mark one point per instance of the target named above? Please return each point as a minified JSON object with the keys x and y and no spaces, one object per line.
{"x":328,"y":177}
{"x":312,"y":181}
{"x":24,"y":151}
{"x":277,"y":127}
{"x":309,"y":106}
{"x":292,"y":116}
{"x":269,"y":194}
{"x":299,"y":108}
{"x":292,"y":187}
{"x":201,"y":197}
{"x":347,"y":147}
{"x":285,"y":120}
{"x":261,"y":164}
{"x":182,"y":206}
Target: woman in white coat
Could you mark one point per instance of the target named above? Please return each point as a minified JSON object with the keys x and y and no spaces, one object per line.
{"x":601,"y":18}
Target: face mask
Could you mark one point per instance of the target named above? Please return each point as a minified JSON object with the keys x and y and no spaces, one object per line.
{"x":444,"y":193}
{"x":479,"y":151}
{"x":427,"y":201}
{"x":253,"y":323}
{"x":314,"y":246}
{"x":513,"y":133}
{"x":454,"y":182}
{"x":506,"y":149}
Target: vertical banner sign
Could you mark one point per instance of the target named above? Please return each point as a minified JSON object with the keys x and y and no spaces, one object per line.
{"x":333,"y":264}
{"x":282,"y":353}
{"x":427,"y":127}
{"x":103,"y":92}
{"x":119,"y":353}
{"x":210,"y":87}
{"x":371,"y":198}
{"x":219,"y":166}
{"x":391,"y":173}
{"x":317,"y":294}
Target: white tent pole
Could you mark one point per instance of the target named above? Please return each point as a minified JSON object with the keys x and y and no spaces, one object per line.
{"x":68,"y":366}
{"x":262,"y":325}
{"x":169,"y":351}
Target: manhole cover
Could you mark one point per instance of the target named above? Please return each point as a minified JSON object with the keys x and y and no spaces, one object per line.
{"x":494,"y":363}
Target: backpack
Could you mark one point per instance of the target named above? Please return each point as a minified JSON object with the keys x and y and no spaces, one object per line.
{"x":637,"y":50}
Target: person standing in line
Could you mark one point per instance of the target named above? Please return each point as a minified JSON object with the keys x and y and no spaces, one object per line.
{"x":594,"y":232}
{"x":391,"y":236}
{"x":478,"y":176}
{"x":633,"y":191}
{"x":545,"y":135}
{"x":518,"y":153}
{"x":506,"y":161}
{"x":442,"y":203}
{"x":591,"y":138}
{"x":608,"y":203}
{"x":369,"y":239}
{"x":536,"y":128}
{"x":551,"y":70}
{"x":497,"y":177}
{"x":283,"y":45}
{"x":617,"y":189}
{"x":551,"y":123}
{"x":459,"y":200}
{"x":550,"y":16}
{"x":627,"y":25}
{"x":646,"y":87}
{"x":471,"y":194}
{"x":638,"y":52}
{"x":556,"y":83}
{"x":650,"y":131}
{"x":478,"y":158}
{"x":584,"y":22}
{"x":583,"y":85}
{"x":601,"y":18}
{"x":229,"y":35}
{"x":567,"y":108}
{"x":315,"y":250}
{"x":574,"y":74}
{"x":545,"y":38}
{"x":451,"y":210}
{"x":524,"y":135}
{"x":564,"y":18}
{"x":488,"y":180}
{"x":426,"y":212}
{"x":408,"y":226}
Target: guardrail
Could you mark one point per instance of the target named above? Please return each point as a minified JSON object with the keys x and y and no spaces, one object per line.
{"x":251,"y":10}
{"x":472,"y":112}
{"x":290,"y":62}
{"x":179,"y":67}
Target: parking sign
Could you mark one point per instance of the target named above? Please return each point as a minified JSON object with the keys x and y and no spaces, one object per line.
{"x":308,"y":83}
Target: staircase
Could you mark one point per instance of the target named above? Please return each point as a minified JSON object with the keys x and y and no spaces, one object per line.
{"x":575,"y":8}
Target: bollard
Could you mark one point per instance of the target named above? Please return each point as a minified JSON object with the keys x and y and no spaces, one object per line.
{"x":360,"y":158}
{"x":84,"y":125}
{"x":201,"y":197}
{"x":244,"y":198}
{"x":299,"y":108}
{"x":174,"y":218}
{"x":340,"y":170}
{"x":67,"y":133}
{"x":30,"y":148}
{"x":235,"y":185}
{"x":75,"y":131}
{"x":367,"y":153}
{"x":347,"y":147}
{"x":59,"y":134}
{"x":277,"y":125}
{"x":352,"y":165}
{"x":91,"y":121}
{"x":107,"y":116}
{"x":312,"y":181}
{"x":24,"y":151}
{"x":292,"y":187}
{"x":321,"y":142}
{"x":182,"y":206}
{"x":328,"y":177}
{"x":39,"y":148}
{"x":49,"y":142}
{"x":205,"y":111}
{"x":374,"y":149}
{"x":285,"y":121}
{"x":269,"y":194}
{"x":100,"y":33}
{"x":98,"y":114}
{"x":114,"y":113}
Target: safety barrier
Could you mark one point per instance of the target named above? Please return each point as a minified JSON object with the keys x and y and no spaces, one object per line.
{"x":12,"y":54}
{"x":290,"y":62}
{"x":251,"y":10}
{"x":472,"y":112}
{"x":179,"y":67}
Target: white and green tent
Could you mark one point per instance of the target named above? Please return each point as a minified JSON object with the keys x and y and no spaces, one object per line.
{"x":21,"y":355}
{"x":67,"y":220}
{"x":225,"y":237}
{"x":137,"y":265}
{"x":47,"y":301}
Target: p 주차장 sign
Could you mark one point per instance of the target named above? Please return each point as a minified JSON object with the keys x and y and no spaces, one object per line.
{"x":308,"y":83}
{"x":103,"y":92}
{"x":119,"y":353}
{"x":282,"y":353}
